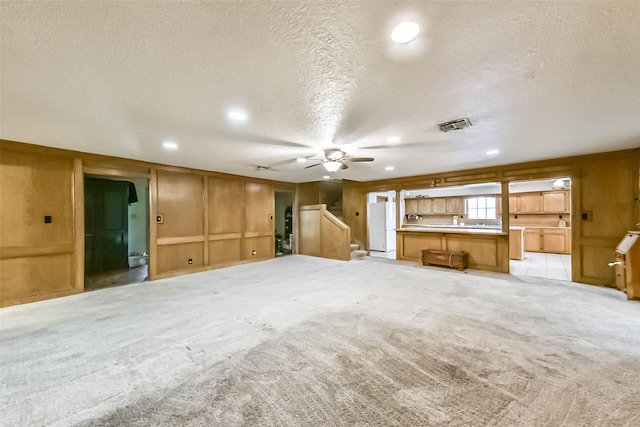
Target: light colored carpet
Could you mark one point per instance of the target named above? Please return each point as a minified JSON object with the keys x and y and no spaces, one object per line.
{"x":300,"y":341}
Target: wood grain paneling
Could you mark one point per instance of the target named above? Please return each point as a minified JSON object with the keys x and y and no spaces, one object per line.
{"x":181,"y":203}
{"x":263,"y":247}
{"x":483,"y":251}
{"x":33,"y":187}
{"x":226,"y":206}
{"x":27,"y":278}
{"x":176,"y":257}
{"x":413,"y":244}
{"x":309,"y":241}
{"x":354,"y":208}
{"x":260,"y":207}
{"x":225,"y":252}
{"x":334,"y":243}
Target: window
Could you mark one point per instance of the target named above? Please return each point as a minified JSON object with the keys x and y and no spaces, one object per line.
{"x":481,"y":207}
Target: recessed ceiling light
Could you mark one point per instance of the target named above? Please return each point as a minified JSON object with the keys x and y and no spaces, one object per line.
{"x":405,"y":31}
{"x":389,"y":168}
{"x":393,"y":139}
{"x":301,"y":160}
{"x":170,"y":145}
{"x":492,"y":152}
{"x":238,"y":115}
{"x":326,"y":177}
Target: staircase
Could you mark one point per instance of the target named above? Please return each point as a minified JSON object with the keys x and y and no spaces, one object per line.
{"x":356,"y":252}
{"x":336,"y":208}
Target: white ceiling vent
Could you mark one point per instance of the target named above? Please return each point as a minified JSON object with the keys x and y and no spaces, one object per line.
{"x":454,"y":125}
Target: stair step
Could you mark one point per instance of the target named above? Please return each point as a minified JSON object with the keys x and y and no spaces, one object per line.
{"x":359,"y":254}
{"x":354,"y":247}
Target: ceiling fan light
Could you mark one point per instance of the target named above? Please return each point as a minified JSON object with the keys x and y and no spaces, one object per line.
{"x":332,"y":166}
{"x":334,"y":154}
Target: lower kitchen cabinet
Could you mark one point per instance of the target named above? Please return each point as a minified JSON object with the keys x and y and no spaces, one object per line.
{"x":547,"y":239}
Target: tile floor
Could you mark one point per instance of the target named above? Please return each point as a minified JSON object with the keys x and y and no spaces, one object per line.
{"x":379,"y":254}
{"x":537,"y":264}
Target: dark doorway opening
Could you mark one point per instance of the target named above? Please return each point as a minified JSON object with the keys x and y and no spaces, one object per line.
{"x":116,"y":232}
{"x":284,"y":223}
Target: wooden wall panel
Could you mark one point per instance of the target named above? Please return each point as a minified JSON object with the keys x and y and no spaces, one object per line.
{"x":606,"y":194}
{"x":176,"y":257}
{"x":333,"y":241}
{"x":483,"y":253}
{"x":593,"y":266}
{"x":225,"y":252}
{"x":413,"y":244}
{"x":354,"y":208}
{"x":264,"y":248}
{"x":32,"y":278}
{"x":309,"y":241}
{"x":181,"y":203}
{"x":260,"y":207}
{"x":226,"y":206}
{"x":34,"y":186}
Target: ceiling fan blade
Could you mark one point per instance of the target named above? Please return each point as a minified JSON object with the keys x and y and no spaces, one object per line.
{"x":344,"y":166}
{"x":360,"y":159}
{"x":310,"y":166}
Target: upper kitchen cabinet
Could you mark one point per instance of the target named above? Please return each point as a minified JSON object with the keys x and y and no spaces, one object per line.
{"x":440,"y":206}
{"x":425,"y":206}
{"x":555,"y":202}
{"x":411,"y":206}
{"x":547,"y":202}
{"x":455,"y":205}
{"x":530,"y":202}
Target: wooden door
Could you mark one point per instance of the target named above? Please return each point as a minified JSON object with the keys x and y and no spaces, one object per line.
{"x":532,"y":240}
{"x":106,"y":224}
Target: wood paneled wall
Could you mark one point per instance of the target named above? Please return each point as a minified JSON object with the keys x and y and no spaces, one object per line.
{"x":41,"y":227}
{"x":208,"y":219}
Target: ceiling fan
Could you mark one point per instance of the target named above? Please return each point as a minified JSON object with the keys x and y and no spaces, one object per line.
{"x":335,"y":159}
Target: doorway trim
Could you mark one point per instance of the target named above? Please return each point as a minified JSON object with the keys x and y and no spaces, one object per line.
{"x":83,"y":171}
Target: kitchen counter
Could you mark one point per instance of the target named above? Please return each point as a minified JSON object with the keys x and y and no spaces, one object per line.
{"x":487,"y":246}
{"x":445,"y":228}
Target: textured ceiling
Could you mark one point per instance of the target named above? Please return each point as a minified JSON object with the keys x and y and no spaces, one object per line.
{"x":537,"y":79}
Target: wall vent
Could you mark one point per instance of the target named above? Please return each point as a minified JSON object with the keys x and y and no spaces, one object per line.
{"x":454,"y":125}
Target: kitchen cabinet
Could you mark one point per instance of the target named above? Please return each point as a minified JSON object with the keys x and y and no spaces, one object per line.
{"x":532,"y":240}
{"x":555,"y":202}
{"x":547,"y":239}
{"x":546,"y":202}
{"x":455,"y":205}
{"x":425,"y":206}
{"x":410,"y":206}
{"x":440,"y":206}
{"x":529,"y":203}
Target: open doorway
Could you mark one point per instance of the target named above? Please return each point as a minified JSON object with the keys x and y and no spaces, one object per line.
{"x":540,"y":228}
{"x":382,"y":224}
{"x":284,"y":222}
{"x":116,"y":231}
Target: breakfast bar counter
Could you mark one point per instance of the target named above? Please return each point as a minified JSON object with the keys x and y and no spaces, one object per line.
{"x":487,"y":247}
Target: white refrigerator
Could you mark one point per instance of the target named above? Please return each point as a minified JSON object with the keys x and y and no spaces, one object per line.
{"x":382,"y":226}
